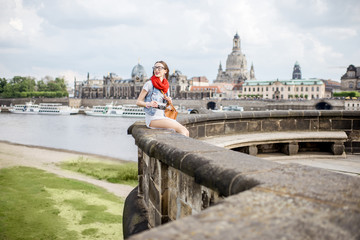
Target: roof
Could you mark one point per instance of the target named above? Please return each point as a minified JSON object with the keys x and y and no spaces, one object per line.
{"x":310,"y":81}
{"x":205,"y":88}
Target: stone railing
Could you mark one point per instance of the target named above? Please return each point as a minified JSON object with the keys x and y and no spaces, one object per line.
{"x":227,"y":194}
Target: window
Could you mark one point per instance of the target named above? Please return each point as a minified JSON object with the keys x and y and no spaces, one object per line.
{"x":306,"y":89}
{"x":312,"y":89}
{"x":317,"y":89}
{"x":289,"y":89}
{"x":351,"y":85}
{"x":302,"y":89}
{"x":282,"y":89}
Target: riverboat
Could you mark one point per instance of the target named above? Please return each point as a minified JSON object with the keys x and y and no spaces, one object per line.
{"x":27,"y":108}
{"x":109,"y":110}
{"x":133,"y":111}
{"x":56,"y":109}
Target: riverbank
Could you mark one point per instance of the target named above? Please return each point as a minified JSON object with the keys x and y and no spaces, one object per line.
{"x":47,"y":159}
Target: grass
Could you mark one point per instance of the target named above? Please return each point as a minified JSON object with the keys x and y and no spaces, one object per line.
{"x":122,"y":173}
{"x":35,"y":204}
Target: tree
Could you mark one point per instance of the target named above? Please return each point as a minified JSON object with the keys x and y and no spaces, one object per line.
{"x":3,"y":83}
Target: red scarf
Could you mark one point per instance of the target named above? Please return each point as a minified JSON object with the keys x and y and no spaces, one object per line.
{"x":161,"y":85}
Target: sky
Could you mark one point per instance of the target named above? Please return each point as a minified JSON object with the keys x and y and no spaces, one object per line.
{"x":70,"y":38}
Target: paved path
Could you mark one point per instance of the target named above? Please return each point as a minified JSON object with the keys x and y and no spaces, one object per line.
{"x":348,"y":164}
{"x":46,"y":159}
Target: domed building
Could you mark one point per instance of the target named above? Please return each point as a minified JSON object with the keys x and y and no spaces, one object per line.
{"x":236,"y":66}
{"x":138,"y":73}
{"x":115,"y":87}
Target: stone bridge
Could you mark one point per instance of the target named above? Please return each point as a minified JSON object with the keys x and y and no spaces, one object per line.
{"x":203,"y":191}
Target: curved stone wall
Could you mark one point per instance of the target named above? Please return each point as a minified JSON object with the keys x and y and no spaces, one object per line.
{"x":227,"y":194}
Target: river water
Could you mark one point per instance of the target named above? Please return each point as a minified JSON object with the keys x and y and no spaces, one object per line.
{"x":96,"y":135}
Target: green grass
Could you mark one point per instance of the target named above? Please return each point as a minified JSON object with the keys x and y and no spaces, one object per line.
{"x":35,"y":204}
{"x":123,"y":173}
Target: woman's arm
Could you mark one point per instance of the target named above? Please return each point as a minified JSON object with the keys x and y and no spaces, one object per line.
{"x":141,"y":103}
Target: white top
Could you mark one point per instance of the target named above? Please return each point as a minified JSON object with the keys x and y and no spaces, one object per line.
{"x":159,"y":114}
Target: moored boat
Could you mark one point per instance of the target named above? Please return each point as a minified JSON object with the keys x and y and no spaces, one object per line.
{"x":56,"y":109}
{"x":133,"y":111}
{"x":109,"y":110}
{"x":27,"y":108}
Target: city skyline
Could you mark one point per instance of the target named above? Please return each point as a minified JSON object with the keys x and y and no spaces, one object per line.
{"x":72,"y":38}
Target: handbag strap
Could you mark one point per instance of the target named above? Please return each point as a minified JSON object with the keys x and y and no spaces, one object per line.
{"x":172,"y":106}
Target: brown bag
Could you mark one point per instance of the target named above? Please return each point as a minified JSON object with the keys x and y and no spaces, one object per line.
{"x":170,"y":110}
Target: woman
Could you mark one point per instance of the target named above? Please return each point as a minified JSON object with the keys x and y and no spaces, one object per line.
{"x":153,"y":100}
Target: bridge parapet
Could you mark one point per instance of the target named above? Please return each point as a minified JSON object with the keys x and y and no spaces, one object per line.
{"x":233,"y":195}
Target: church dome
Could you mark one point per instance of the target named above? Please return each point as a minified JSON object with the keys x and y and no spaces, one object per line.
{"x":138,"y":71}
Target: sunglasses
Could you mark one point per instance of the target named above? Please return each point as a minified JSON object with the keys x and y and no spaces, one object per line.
{"x":158,"y":68}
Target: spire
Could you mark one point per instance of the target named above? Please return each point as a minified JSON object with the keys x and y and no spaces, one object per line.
{"x":236,"y":42}
{"x":220,"y":67}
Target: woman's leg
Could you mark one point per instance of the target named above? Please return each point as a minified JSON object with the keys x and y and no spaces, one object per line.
{"x":168,"y":123}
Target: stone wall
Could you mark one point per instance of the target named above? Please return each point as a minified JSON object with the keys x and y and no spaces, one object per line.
{"x":216,"y":193}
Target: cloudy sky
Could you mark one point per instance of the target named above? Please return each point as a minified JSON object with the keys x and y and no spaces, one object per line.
{"x":73,"y":37}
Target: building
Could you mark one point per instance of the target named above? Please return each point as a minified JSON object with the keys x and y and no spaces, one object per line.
{"x":90,"y":88}
{"x":312,"y":88}
{"x":236,"y":66}
{"x":178,"y":84}
{"x":201,"y":92}
{"x":199,"y":81}
{"x":350,"y":81}
{"x":331,"y":87}
{"x":296,"y":71}
{"x":115,"y":87}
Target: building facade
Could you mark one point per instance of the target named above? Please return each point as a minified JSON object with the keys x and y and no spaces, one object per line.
{"x":178,"y":84}
{"x":312,"y":88}
{"x":236,"y":66}
{"x":350,"y":81}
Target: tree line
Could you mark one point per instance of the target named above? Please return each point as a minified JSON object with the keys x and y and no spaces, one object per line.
{"x":25,"y":87}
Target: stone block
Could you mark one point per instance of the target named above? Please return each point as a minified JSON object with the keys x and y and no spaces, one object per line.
{"x":314,"y":124}
{"x":185,"y":209}
{"x":356,"y":124}
{"x":241,"y":126}
{"x":155,"y":171}
{"x":270,"y":125}
{"x":287,"y":124}
{"x":201,"y":131}
{"x":214,"y":129}
{"x":325,"y":124}
{"x":254,"y":126}
{"x":302,"y":124}
{"x":154,"y":195}
{"x":341,"y":124}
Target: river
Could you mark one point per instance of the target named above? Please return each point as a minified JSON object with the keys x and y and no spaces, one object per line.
{"x":96,"y":135}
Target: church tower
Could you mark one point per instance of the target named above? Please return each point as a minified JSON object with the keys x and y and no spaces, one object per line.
{"x":236,"y":65}
{"x":297,"y":71}
{"x":236,"y":43}
{"x":252,"y":72}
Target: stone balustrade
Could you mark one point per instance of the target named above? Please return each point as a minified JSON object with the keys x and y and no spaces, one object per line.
{"x":205,"y":191}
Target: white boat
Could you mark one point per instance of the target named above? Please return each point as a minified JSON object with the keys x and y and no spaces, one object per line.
{"x":109,"y":110}
{"x":56,"y":109}
{"x":133,"y":111}
{"x":27,"y":108}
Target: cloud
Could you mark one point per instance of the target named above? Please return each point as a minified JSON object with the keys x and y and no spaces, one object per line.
{"x":78,"y":36}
